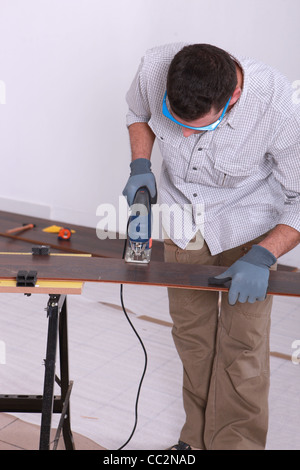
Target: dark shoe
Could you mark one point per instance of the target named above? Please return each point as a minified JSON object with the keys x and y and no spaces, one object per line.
{"x":181,"y":446}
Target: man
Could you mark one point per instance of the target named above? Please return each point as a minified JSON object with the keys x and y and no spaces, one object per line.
{"x":229,"y":134}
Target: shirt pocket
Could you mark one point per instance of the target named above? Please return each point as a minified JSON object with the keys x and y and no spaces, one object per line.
{"x":232,"y":173}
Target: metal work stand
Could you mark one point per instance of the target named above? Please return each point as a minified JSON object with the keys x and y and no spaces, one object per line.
{"x":48,"y":403}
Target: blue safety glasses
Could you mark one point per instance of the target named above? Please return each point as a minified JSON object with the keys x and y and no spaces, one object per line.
{"x":211,"y":127}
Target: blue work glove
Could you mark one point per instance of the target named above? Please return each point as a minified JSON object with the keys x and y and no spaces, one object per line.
{"x":141,"y":175}
{"x":249,"y":276}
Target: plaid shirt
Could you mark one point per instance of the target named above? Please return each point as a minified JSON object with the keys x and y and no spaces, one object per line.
{"x":234,"y":183}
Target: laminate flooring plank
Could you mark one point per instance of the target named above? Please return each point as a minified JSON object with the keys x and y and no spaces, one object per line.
{"x":84,"y":240}
{"x":95,"y":269}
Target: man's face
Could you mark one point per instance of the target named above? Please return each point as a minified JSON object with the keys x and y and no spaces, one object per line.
{"x":209,"y":122}
{"x":206,"y":120}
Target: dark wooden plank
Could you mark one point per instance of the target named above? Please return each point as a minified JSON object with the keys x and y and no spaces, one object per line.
{"x":14,"y":245}
{"x":85,"y":239}
{"x":95,"y":269}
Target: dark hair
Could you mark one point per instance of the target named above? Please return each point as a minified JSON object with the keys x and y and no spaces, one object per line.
{"x":200,"y":77}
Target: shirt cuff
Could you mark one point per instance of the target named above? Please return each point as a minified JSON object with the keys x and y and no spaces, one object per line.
{"x":291,"y":218}
{"x":132,"y":118}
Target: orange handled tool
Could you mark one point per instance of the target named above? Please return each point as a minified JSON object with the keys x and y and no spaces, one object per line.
{"x":21,"y":228}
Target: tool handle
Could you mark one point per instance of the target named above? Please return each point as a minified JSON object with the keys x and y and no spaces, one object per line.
{"x":20,"y":229}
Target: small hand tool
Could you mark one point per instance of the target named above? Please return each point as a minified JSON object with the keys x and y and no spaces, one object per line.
{"x":64,"y":234}
{"x":22,"y":228}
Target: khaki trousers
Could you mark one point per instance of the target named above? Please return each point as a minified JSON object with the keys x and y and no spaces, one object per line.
{"x":225,"y":355}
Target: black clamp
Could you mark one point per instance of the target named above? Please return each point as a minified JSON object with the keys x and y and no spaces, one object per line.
{"x":40,"y":250}
{"x":26,"y":279}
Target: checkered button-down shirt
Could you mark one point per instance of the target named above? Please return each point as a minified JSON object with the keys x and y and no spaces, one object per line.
{"x":234,"y":183}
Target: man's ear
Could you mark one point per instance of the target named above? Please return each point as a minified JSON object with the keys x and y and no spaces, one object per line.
{"x":235,"y":96}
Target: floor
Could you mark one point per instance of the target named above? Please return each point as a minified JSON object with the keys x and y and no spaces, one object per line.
{"x":107,"y":361}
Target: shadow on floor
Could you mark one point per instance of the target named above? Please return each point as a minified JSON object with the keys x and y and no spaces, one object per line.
{"x":16,"y":434}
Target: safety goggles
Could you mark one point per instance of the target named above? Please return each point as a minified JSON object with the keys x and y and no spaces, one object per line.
{"x":210,"y":127}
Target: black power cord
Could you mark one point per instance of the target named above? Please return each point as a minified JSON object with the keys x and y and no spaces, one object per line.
{"x":145,"y":354}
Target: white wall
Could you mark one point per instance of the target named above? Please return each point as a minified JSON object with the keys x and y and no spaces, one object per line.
{"x":66,"y":66}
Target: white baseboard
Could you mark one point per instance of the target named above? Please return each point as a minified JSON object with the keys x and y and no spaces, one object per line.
{"x":25,"y":208}
{"x":71,"y":216}
{"x":59,"y":214}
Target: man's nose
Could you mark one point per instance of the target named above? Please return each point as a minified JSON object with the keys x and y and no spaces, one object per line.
{"x":187,"y":132}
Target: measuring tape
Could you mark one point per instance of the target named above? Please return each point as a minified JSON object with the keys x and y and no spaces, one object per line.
{"x":64,"y":234}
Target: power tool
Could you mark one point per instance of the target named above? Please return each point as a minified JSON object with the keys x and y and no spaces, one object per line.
{"x":139,"y":241}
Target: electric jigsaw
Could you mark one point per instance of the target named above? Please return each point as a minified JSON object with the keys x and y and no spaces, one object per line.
{"x":139,"y":241}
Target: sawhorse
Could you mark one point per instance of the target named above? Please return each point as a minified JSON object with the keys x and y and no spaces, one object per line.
{"x":48,"y":403}
{"x":57,"y":328}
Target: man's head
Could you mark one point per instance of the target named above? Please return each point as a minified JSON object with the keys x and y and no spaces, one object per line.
{"x":200,"y":81}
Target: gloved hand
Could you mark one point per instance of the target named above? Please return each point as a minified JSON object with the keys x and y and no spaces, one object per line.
{"x":249,"y":276}
{"x":141,"y":175}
